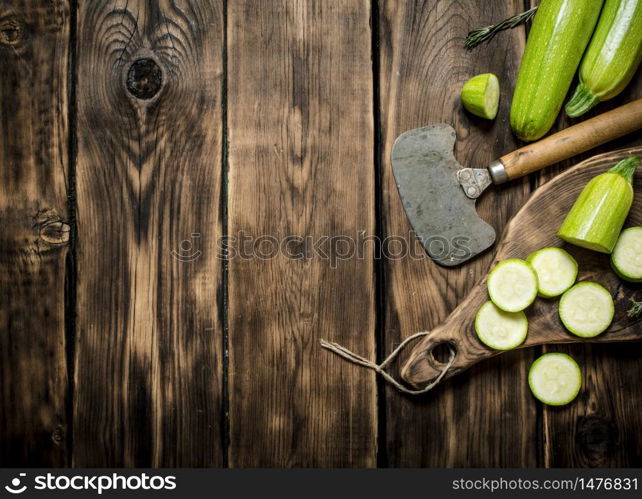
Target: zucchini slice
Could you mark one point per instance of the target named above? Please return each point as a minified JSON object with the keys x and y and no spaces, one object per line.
{"x":556,"y":271}
{"x":626,"y":258}
{"x":500,"y":330}
{"x":587,"y":309}
{"x":512,"y":285}
{"x":555,"y":379}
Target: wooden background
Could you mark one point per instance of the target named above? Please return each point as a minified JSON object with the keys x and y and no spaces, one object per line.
{"x":127,"y":340}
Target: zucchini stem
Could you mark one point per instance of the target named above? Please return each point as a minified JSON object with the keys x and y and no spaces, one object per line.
{"x":583,"y":100}
{"x":626,"y":168}
{"x":487,"y":33}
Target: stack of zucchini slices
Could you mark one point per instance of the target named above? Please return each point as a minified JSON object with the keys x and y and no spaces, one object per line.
{"x":586,"y":309}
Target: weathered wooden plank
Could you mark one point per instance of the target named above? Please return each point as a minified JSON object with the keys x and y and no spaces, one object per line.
{"x":148,"y":367}
{"x":601,"y":428}
{"x":34,"y":240}
{"x":484,"y":417}
{"x":301,"y":163}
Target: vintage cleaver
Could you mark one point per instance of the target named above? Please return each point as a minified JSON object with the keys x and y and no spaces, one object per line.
{"x":439,"y":194}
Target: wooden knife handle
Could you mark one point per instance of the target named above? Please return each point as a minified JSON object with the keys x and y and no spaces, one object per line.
{"x":573,"y":140}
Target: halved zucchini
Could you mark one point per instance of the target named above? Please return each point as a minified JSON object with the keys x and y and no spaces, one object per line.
{"x":480,"y":96}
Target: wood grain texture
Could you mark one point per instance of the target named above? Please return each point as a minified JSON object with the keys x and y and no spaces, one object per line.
{"x":601,"y":428}
{"x":148,"y":351}
{"x":535,"y":227}
{"x":301,"y":163}
{"x":148,"y":366}
{"x":34,"y":240}
{"x":423,"y":67}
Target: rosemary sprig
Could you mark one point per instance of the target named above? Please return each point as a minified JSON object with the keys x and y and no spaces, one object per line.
{"x":487,"y":33}
{"x":636,"y":309}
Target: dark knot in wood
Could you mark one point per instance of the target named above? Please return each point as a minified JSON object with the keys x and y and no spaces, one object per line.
{"x":58,"y":435}
{"x":596,"y":438}
{"x":144,"y":79}
{"x":11,"y":32}
{"x":55,"y":232}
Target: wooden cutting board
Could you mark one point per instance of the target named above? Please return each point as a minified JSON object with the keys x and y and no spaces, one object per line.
{"x":532,"y":228}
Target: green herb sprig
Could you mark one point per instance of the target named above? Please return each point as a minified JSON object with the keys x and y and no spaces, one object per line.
{"x":487,"y":33}
{"x":636,"y":309}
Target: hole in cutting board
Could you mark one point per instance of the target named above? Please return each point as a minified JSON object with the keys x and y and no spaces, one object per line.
{"x":440,"y":353}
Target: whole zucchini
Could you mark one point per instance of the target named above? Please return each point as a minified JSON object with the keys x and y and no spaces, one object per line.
{"x":613,"y":56}
{"x":560,"y":33}
{"x":598,"y":214}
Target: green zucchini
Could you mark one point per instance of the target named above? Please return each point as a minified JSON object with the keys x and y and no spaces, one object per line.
{"x":612,"y":58}
{"x":560,"y":33}
{"x":596,"y":219}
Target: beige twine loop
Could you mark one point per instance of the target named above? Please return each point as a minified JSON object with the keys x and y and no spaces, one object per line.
{"x":380,"y":368}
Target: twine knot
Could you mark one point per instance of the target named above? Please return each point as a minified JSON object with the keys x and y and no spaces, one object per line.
{"x":380,"y":368}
